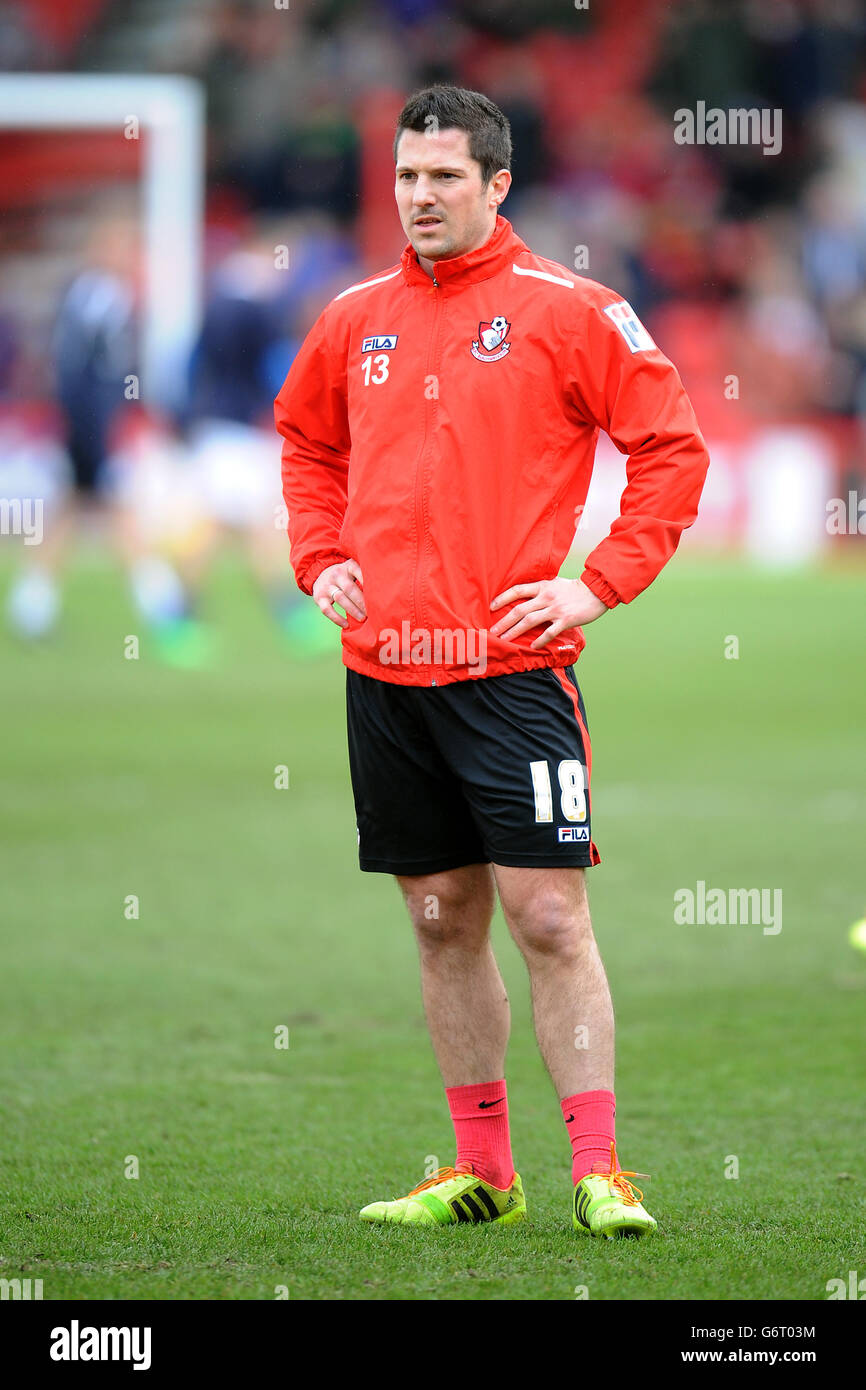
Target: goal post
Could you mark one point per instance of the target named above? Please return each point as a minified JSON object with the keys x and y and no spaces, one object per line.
{"x":169,"y":113}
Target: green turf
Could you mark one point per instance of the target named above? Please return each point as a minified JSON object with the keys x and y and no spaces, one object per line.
{"x":155,"y":1037}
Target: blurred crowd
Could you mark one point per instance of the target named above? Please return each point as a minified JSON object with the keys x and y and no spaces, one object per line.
{"x":748,"y":267}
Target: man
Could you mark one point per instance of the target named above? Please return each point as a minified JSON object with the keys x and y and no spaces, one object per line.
{"x":439,"y":431}
{"x":94,"y":351}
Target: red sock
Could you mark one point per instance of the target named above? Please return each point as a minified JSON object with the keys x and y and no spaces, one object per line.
{"x":589,"y":1119}
{"x":480,"y":1117}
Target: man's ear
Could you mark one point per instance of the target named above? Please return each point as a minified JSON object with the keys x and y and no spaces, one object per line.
{"x":499,"y":185}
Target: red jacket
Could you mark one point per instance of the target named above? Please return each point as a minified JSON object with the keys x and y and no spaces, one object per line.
{"x":442,"y":433}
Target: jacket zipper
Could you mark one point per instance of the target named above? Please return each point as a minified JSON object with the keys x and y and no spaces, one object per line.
{"x":431,"y":406}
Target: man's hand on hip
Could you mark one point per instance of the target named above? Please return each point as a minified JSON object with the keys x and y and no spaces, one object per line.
{"x":341,"y":584}
{"x":561,"y":603}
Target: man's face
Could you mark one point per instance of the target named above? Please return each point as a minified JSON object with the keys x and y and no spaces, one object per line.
{"x":444,"y":207}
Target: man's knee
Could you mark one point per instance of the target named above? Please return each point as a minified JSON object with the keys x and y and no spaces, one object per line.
{"x":550,"y":917}
{"x":450,"y":908}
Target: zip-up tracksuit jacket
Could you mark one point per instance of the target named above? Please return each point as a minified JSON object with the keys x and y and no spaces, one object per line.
{"x":442,"y":433}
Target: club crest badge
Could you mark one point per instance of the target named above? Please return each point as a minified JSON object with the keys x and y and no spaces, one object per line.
{"x":490,"y":344}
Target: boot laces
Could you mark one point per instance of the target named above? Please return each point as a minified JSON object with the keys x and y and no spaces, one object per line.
{"x":617,"y":1180}
{"x":441,"y":1175}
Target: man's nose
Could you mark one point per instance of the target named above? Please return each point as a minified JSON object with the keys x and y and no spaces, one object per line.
{"x":424,"y":192}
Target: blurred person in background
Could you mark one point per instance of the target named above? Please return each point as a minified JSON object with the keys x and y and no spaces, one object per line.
{"x":242,"y":345}
{"x":94,"y":351}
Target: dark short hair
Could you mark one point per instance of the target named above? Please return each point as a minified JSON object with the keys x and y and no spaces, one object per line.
{"x":457,"y":108}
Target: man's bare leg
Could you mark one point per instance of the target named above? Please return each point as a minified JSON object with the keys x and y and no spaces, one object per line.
{"x":465,"y":1002}
{"x":468,"y":1018}
{"x":548,"y":915}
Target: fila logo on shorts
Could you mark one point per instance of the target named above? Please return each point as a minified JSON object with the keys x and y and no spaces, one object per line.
{"x":630,"y":326}
{"x":578,"y":834}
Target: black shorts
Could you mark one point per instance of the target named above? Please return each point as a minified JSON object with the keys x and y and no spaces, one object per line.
{"x":490,"y":770}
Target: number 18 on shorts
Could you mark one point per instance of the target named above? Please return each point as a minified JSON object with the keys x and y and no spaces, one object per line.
{"x":493,"y":770}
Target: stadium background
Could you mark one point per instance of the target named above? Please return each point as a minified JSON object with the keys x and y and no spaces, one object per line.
{"x":150,"y":775}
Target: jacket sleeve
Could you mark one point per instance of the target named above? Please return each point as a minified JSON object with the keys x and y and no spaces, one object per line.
{"x":310,"y":412}
{"x":619,"y":380}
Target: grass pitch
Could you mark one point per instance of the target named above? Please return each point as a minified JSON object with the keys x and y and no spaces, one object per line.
{"x":148,"y":1044}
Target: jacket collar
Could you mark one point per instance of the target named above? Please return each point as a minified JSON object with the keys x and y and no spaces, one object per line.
{"x":456,"y":272}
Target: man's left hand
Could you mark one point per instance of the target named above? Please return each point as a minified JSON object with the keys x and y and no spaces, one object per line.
{"x":560,"y":603}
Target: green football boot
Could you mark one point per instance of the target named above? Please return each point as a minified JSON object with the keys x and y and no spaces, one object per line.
{"x":450,"y":1197}
{"x":606,"y":1204}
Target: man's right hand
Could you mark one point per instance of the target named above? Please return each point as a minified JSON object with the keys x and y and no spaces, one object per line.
{"x":341,"y":584}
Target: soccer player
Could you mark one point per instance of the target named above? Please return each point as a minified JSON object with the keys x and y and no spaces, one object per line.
{"x":439,"y":428}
